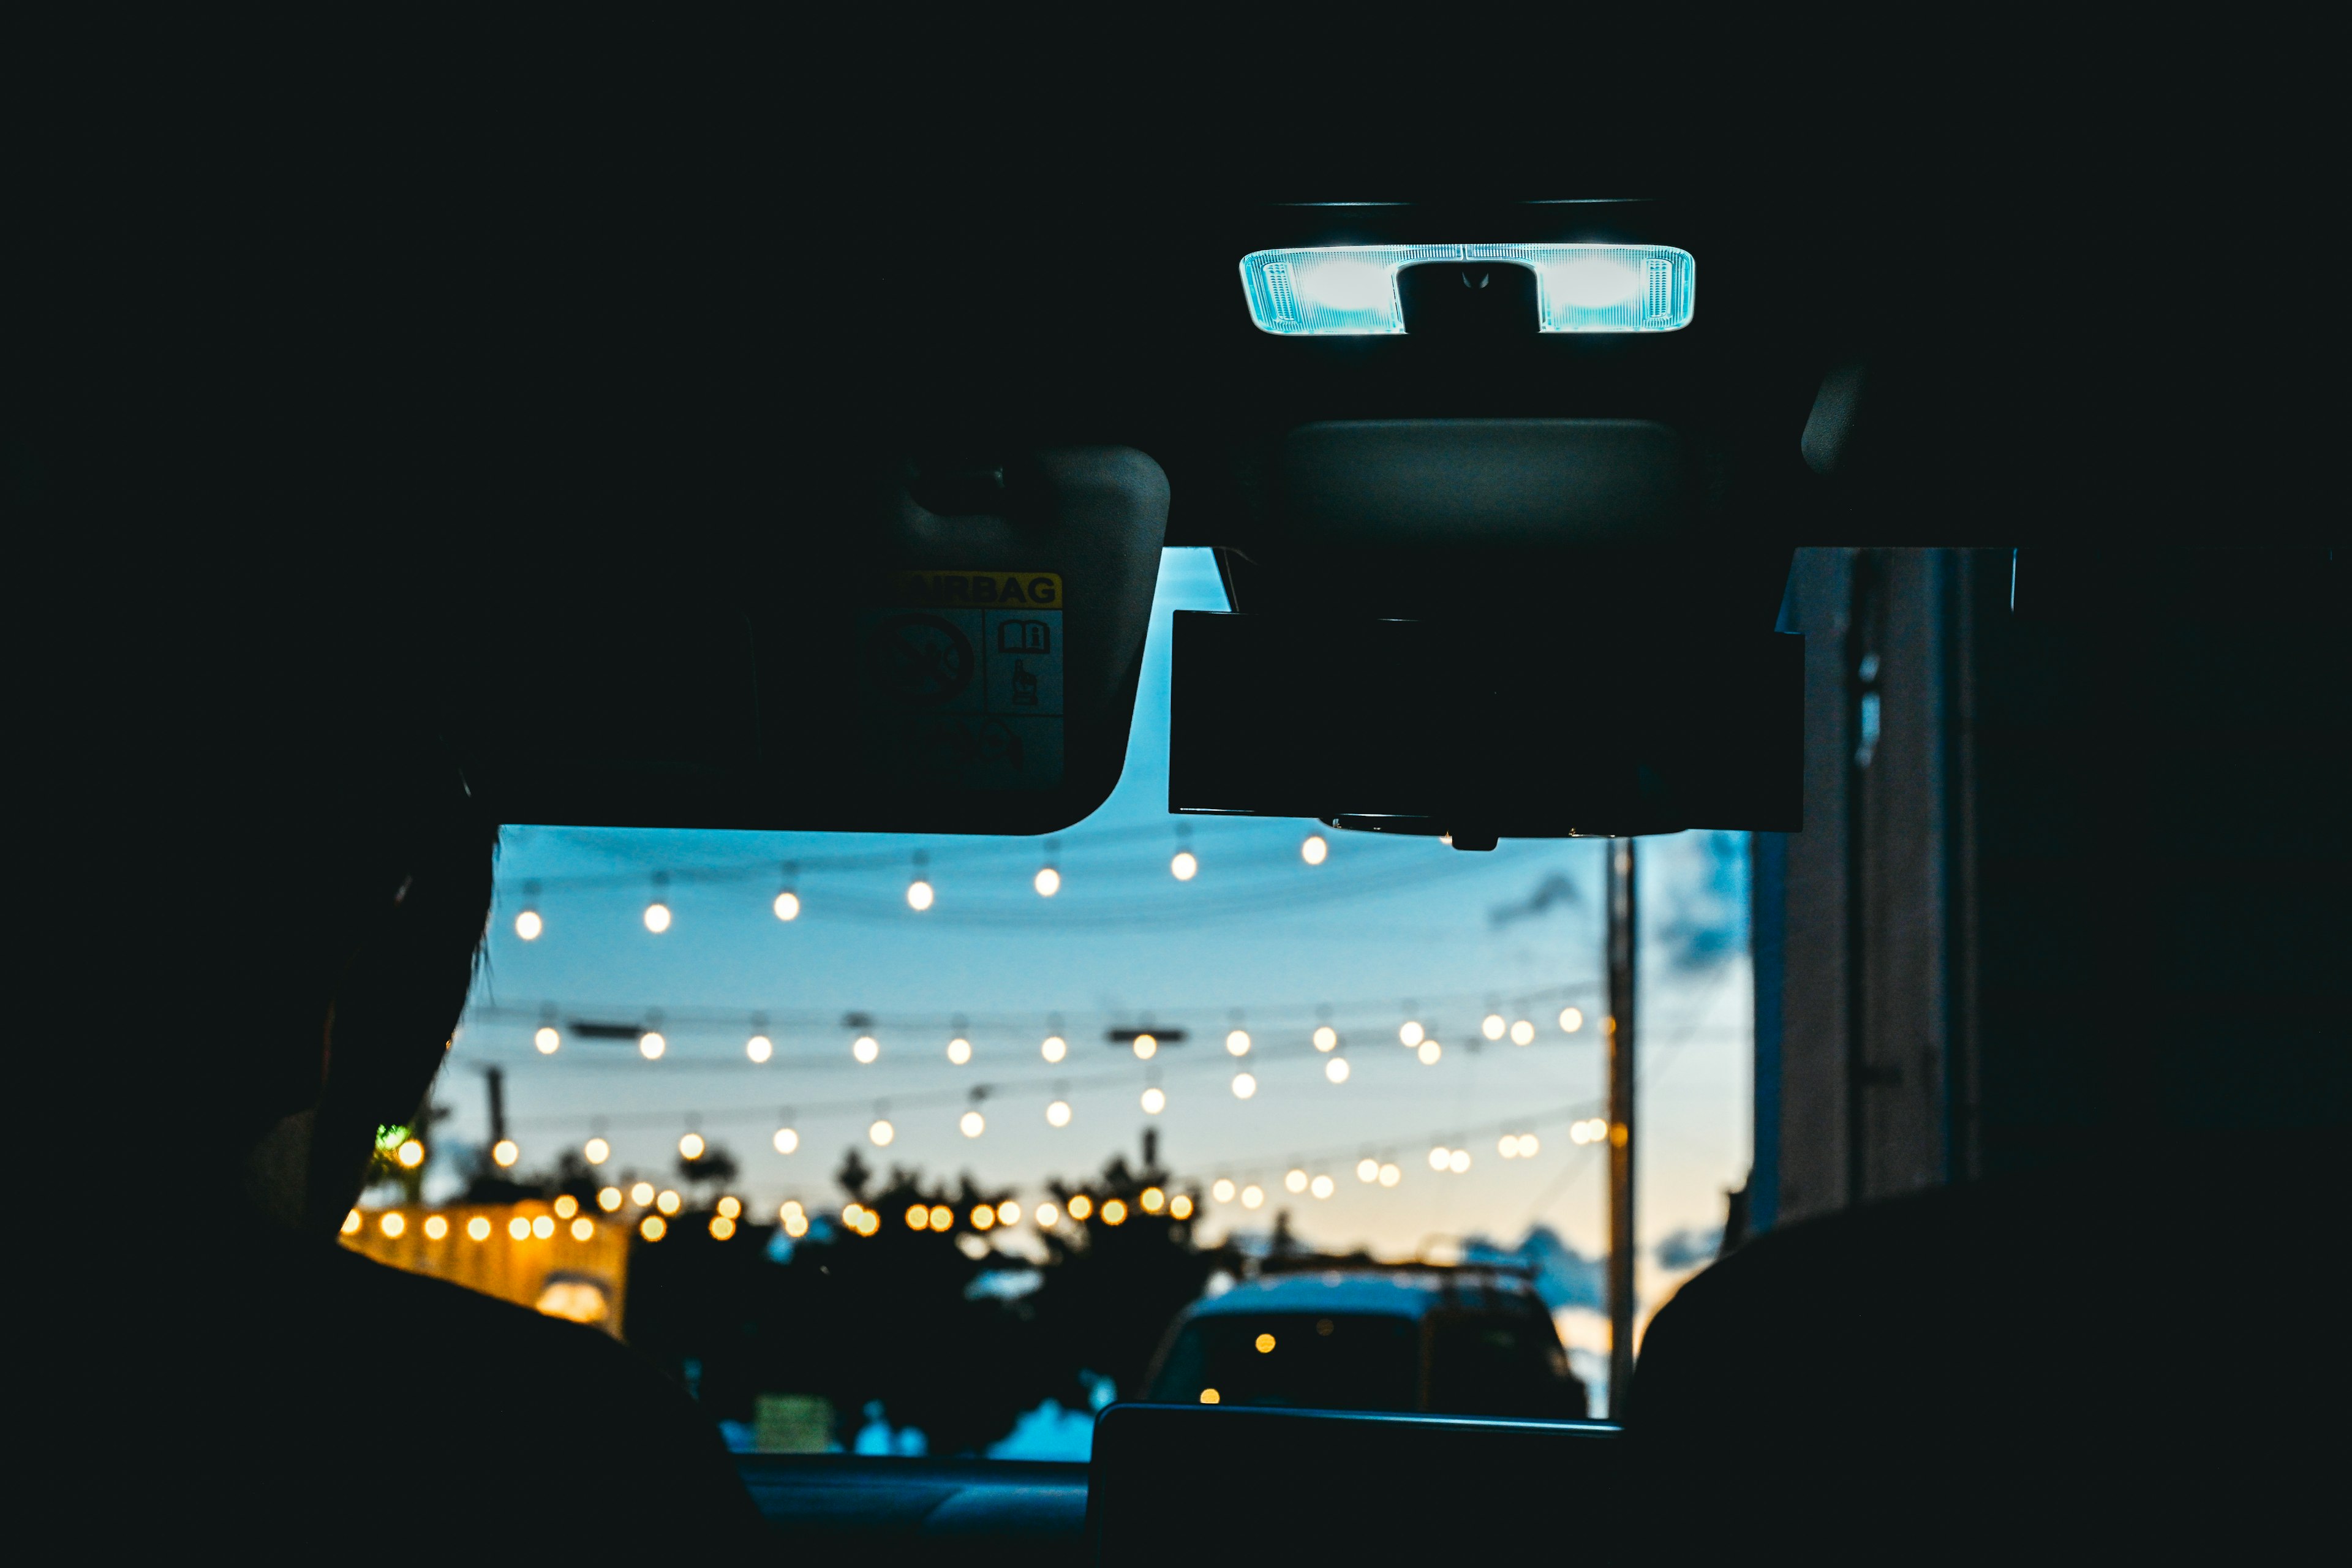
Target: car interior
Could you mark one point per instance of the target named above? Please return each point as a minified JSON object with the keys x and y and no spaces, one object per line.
{"x":673,"y":443}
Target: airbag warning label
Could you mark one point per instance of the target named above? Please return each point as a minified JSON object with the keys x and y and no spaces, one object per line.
{"x":963,"y":680}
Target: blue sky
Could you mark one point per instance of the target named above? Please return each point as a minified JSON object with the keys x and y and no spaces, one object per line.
{"x":1385,"y":931}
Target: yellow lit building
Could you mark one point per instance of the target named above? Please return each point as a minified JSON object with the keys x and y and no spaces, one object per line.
{"x":574,"y":1268}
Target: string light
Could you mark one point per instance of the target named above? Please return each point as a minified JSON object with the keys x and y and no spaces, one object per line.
{"x":1048,"y":881}
{"x":941,"y":1218}
{"x":1048,"y":1216}
{"x":653,"y":1227}
{"x":609,"y":1199}
{"x":1185,"y":865}
{"x":583,"y":1229}
{"x":1327,"y":1038}
{"x":1264,"y":1344}
{"x":1592,"y":1130}
{"x":549,"y":1039}
{"x":411,"y":1154}
{"x":959,"y":1050}
{"x":1244,"y":1085}
{"x":1054,"y":1048}
{"x":1237,"y":1044}
{"x":504,"y":1153}
{"x":477,"y":1229}
{"x":758,"y":1047}
{"x":1439,"y":1156}
{"x":1391,"y":1175}
{"x":1368,"y":1170}
{"x":1252,"y":1196}
{"x":1081,"y":1206}
{"x":1222,"y":1190}
{"x":1458,"y":1161}
{"x":984,"y":1217}
{"x":1523,"y":1033}
{"x":1315,"y":849}
{"x":881,"y":1133}
{"x":651,"y":1045}
{"x":668,"y":1202}
{"x":691,"y":1146}
{"x":1336,"y":1069}
{"x":787,"y":905}
{"x":528,"y":926}
{"x":1429,"y":1052}
{"x":1008,"y":1213}
{"x":919,"y":1217}
{"x":392,"y":1223}
{"x":1492,"y":1026}
{"x":1571,"y":1019}
{"x":658,"y":912}
{"x":973,"y":1124}
{"x":1410,"y":1033}
{"x":1294,"y":1180}
{"x":1322,"y":1186}
{"x":436,"y":1227}
{"x":1154,"y":1100}
{"x":866,"y":1048}
{"x":1145,"y":1046}
{"x":1114,"y":1212}
{"x":542,"y":1227}
{"x":1057,"y":1114}
{"x":919,"y":895}
{"x":566,"y":1205}
{"x":786,"y":1139}
{"x":1180,"y":1207}
{"x":518,"y":1229}
{"x":642,"y":1193}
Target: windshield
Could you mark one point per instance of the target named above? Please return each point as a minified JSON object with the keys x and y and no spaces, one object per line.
{"x":910,"y":1144}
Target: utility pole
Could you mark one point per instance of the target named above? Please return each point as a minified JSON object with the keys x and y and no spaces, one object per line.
{"x":1620,"y":1028}
{"x":496,"y":1078}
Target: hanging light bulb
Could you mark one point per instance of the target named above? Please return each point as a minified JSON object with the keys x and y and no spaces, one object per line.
{"x":691,"y":1146}
{"x":1336,"y":1069}
{"x":1057,"y":1114}
{"x":1322,"y":1186}
{"x":973,"y":1124}
{"x":758,"y":1047}
{"x":411,"y":1153}
{"x":1315,"y":850}
{"x":1185,"y":865}
{"x":1327,"y":1038}
{"x":657,"y":913}
{"x":1048,"y":881}
{"x":1508,"y":1146}
{"x":1410,"y":1033}
{"x":1054,"y":1048}
{"x":1294,"y":1180}
{"x":528,"y":925}
{"x":1523,"y":1033}
{"x":505,"y":1152}
{"x":596,"y":1151}
{"x":787,"y":1140}
{"x":918,"y":891}
{"x":1492,"y":1026}
{"x":1237,"y":1044}
{"x":1222,"y":1190}
{"x":1439,"y":1156}
{"x":651,"y":1045}
{"x":866,"y":1048}
{"x":1154,"y":1100}
{"x":787,"y":905}
{"x":549,"y":1039}
{"x":1048,"y":1216}
{"x":1391,"y":1174}
{"x":1145,"y":1046}
{"x":1252,"y":1196}
{"x":881,"y":1133}
{"x":1429,"y":1051}
{"x":1368,"y":1170}
{"x":1458,"y":1161}
{"x":1571,"y":1019}
{"x":1244,"y":1085}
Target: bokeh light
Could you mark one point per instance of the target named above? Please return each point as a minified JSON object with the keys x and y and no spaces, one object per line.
{"x":1114,"y":1211}
{"x":786,"y":1139}
{"x":1081,"y":1206}
{"x":651,"y":1045}
{"x":653,"y":1227}
{"x":547,"y":1040}
{"x":1047,"y":882}
{"x":477,"y":1228}
{"x":1222,"y":1190}
{"x":1411,"y":1032}
{"x":1154,"y":1100}
{"x":583,"y":1229}
{"x":1244,"y":1085}
{"x":1184,"y":867}
{"x":1327,"y":1038}
{"x":392,"y":1223}
{"x":596,"y":1151}
{"x":1571,"y":1019}
{"x":881,"y":1133}
{"x":505,"y":1152}
{"x":1180,"y":1207}
{"x":668,"y":1202}
{"x":436,"y":1227}
{"x":1237,"y":1044}
{"x":1336,"y":1069}
{"x":758,"y":1047}
{"x":658,"y":917}
{"x":959,"y":1050}
{"x":543,"y":1226}
{"x":691,"y":1146}
{"x":1057,"y":1114}
{"x":866,"y":1048}
{"x":972,"y":1123}
{"x":1054,"y":1048}
{"x":787,"y":906}
{"x":1315,"y":849}
{"x":528,"y":925}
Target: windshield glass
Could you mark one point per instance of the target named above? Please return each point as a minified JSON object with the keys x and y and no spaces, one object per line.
{"x":923,"y":1144}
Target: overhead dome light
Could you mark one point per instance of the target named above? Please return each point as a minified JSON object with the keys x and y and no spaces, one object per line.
{"x":1350,"y":290}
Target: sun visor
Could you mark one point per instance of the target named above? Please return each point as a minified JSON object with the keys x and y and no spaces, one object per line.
{"x":925,"y":645}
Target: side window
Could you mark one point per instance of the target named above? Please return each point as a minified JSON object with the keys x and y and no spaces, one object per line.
{"x":1498,"y":1364}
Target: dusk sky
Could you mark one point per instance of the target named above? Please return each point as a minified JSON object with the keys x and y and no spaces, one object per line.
{"x":1384,"y":931}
